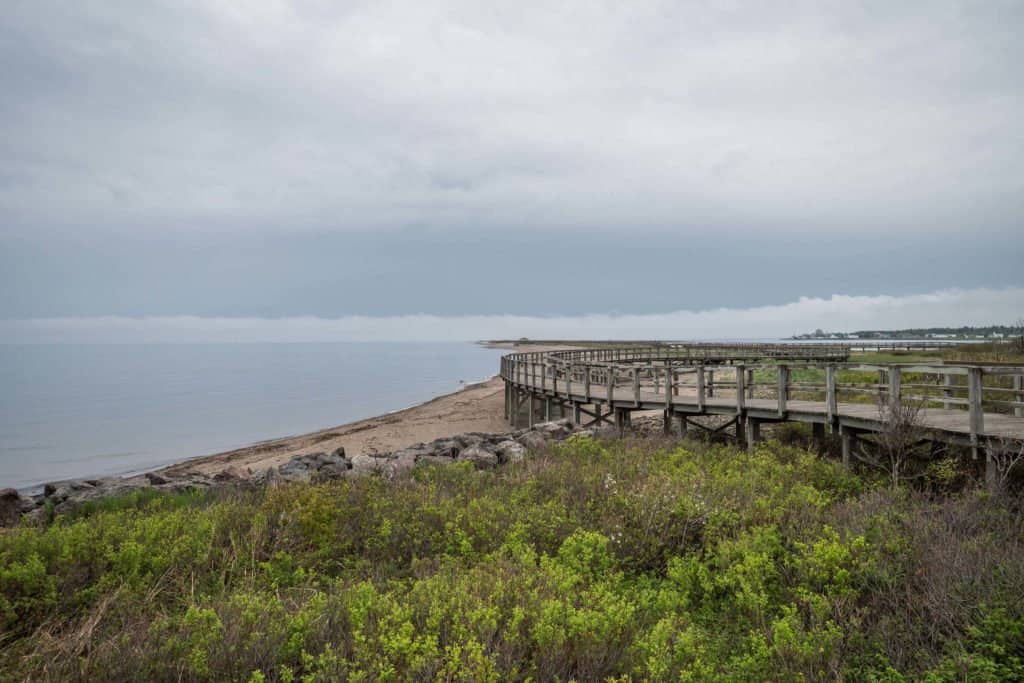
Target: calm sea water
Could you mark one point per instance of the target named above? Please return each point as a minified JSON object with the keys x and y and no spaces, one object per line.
{"x":91,"y":410}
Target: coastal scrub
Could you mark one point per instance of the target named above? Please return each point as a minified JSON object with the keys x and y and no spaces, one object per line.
{"x":619,"y":560}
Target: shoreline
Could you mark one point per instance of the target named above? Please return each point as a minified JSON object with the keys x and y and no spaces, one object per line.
{"x":477,"y":407}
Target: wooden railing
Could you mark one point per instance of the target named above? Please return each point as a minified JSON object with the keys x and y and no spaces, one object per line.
{"x":785,"y":373}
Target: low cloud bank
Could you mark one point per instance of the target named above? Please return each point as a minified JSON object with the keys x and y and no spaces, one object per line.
{"x":836,"y":313}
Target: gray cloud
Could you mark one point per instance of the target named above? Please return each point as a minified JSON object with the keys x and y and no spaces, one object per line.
{"x":836,"y":313}
{"x":827,"y":116}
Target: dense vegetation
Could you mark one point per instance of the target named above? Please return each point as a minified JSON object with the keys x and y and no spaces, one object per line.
{"x":631,"y":560}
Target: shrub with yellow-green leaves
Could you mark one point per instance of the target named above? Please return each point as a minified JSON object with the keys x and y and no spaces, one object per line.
{"x":624,"y":560}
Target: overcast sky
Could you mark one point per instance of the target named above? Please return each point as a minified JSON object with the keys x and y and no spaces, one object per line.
{"x":220,"y":160}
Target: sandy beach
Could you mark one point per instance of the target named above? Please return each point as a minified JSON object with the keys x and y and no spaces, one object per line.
{"x":476,"y":408}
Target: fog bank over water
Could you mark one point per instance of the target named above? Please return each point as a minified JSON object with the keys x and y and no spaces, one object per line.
{"x":951,"y":307}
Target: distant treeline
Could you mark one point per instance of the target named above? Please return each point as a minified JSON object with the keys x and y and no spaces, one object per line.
{"x":963,"y":332}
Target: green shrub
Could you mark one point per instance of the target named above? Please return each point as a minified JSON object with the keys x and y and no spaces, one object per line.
{"x":594,"y":561}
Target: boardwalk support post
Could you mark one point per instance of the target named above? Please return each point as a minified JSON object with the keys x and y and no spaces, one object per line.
{"x":753,"y":433}
{"x":846,"y":440}
{"x":818,"y":434}
{"x":622,"y":420}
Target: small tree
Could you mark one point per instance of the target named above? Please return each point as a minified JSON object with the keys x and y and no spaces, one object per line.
{"x":1005,"y":455}
{"x":901,"y":440}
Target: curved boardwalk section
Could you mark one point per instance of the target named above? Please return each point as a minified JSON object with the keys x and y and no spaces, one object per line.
{"x":978,"y":405}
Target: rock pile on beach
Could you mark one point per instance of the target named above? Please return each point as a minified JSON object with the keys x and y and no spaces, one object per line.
{"x":482,"y":450}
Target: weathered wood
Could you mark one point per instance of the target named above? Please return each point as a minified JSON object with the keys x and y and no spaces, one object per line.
{"x":783,"y":388}
{"x":668,"y":392}
{"x":818,"y":433}
{"x":701,"y":396}
{"x":941,"y":414}
{"x":1018,"y":384}
{"x":846,"y":444}
{"x":977,"y":417}
{"x":894,"y":386}
{"x":741,"y":390}
{"x":831,"y":400}
{"x":753,"y":433}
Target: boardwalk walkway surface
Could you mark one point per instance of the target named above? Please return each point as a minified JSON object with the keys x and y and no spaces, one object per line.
{"x":978,"y":405}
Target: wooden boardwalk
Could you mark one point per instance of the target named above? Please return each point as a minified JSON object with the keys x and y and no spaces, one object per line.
{"x":980,"y":406}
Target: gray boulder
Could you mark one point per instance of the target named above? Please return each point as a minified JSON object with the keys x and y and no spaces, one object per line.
{"x":480,"y":457}
{"x":399,"y":465}
{"x":13,"y":506}
{"x":367,"y":463}
{"x":510,"y":451}
{"x":533,"y":441}
{"x":556,"y":430}
{"x":233,"y":474}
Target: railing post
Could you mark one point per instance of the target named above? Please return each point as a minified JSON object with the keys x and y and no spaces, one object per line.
{"x":568,"y":382}
{"x":700,"y":388}
{"x":750,"y":384}
{"x":586,"y":382}
{"x":636,"y":386}
{"x":783,"y":388}
{"x":668,"y":389}
{"x":1018,"y":384}
{"x":976,"y":415}
{"x":831,"y":401}
{"x":895,"y":375}
{"x":611,"y":385}
{"x":741,"y":399}
{"x":543,"y":376}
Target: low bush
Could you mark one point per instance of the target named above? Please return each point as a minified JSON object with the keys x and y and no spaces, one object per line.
{"x":623,"y":560}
